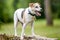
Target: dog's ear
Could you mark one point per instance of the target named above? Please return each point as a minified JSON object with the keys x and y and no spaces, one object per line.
{"x":31,"y":4}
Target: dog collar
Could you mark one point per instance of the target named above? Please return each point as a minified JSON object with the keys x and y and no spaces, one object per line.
{"x":31,"y":13}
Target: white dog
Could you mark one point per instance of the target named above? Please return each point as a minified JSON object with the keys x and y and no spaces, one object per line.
{"x":26,"y":16}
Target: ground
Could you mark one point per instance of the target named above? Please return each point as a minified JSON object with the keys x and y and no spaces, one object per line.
{"x":40,"y":29}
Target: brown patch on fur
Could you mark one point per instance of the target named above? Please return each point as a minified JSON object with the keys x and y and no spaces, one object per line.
{"x":24,"y":18}
{"x":31,"y":4}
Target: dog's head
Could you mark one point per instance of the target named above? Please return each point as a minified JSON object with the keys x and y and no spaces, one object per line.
{"x":36,"y":9}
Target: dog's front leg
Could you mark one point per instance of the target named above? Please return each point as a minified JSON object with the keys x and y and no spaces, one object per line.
{"x":23,"y":28}
{"x":32,"y":27}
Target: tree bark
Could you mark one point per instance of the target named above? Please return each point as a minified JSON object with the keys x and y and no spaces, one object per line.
{"x":48,"y":15}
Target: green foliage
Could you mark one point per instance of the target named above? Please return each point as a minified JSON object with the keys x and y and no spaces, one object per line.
{"x":7,"y":8}
{"x":55,"y":5}
{"x":5,"y":11}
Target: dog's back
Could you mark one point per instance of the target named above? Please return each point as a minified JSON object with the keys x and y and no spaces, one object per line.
{"x":18,"y":14}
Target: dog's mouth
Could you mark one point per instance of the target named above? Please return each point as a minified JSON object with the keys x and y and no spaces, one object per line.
{"x":38,"y":13}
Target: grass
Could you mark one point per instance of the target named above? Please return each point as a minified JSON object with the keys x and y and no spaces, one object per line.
{"x":40,"y":29}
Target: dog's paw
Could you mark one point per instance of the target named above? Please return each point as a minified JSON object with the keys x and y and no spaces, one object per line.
{"x":24,"y":34}
{"x":21,"y":38}
{"x":33,"y":35}
{"x":16,"y":35}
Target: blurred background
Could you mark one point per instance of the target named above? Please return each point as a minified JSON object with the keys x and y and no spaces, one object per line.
{"x":48,"y":24}
{"x":7,"y":8}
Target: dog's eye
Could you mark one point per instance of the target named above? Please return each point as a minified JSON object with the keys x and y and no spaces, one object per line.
{"x":36,"y":7}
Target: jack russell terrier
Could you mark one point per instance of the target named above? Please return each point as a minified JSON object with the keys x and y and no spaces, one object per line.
{"x":26,"y":16}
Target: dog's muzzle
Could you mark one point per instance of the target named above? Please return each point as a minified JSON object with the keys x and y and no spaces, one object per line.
{"x":38,"y":13}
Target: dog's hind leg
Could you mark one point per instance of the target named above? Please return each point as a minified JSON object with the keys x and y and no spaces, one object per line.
{"x":15,"y":24}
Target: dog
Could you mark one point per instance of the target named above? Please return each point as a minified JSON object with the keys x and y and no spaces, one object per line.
{"x":26,"y":16}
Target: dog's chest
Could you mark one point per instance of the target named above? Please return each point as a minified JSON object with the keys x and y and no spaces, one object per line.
{"x":30,"y":18}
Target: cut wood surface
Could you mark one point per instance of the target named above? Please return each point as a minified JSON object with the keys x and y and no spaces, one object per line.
{"x":12,"y":37}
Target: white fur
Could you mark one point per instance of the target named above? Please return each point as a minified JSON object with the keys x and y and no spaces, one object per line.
{"x":25,"y":20}
{"x":28,"y":19}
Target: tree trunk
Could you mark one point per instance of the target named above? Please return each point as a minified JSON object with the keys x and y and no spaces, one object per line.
{"x":48,"y":15}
